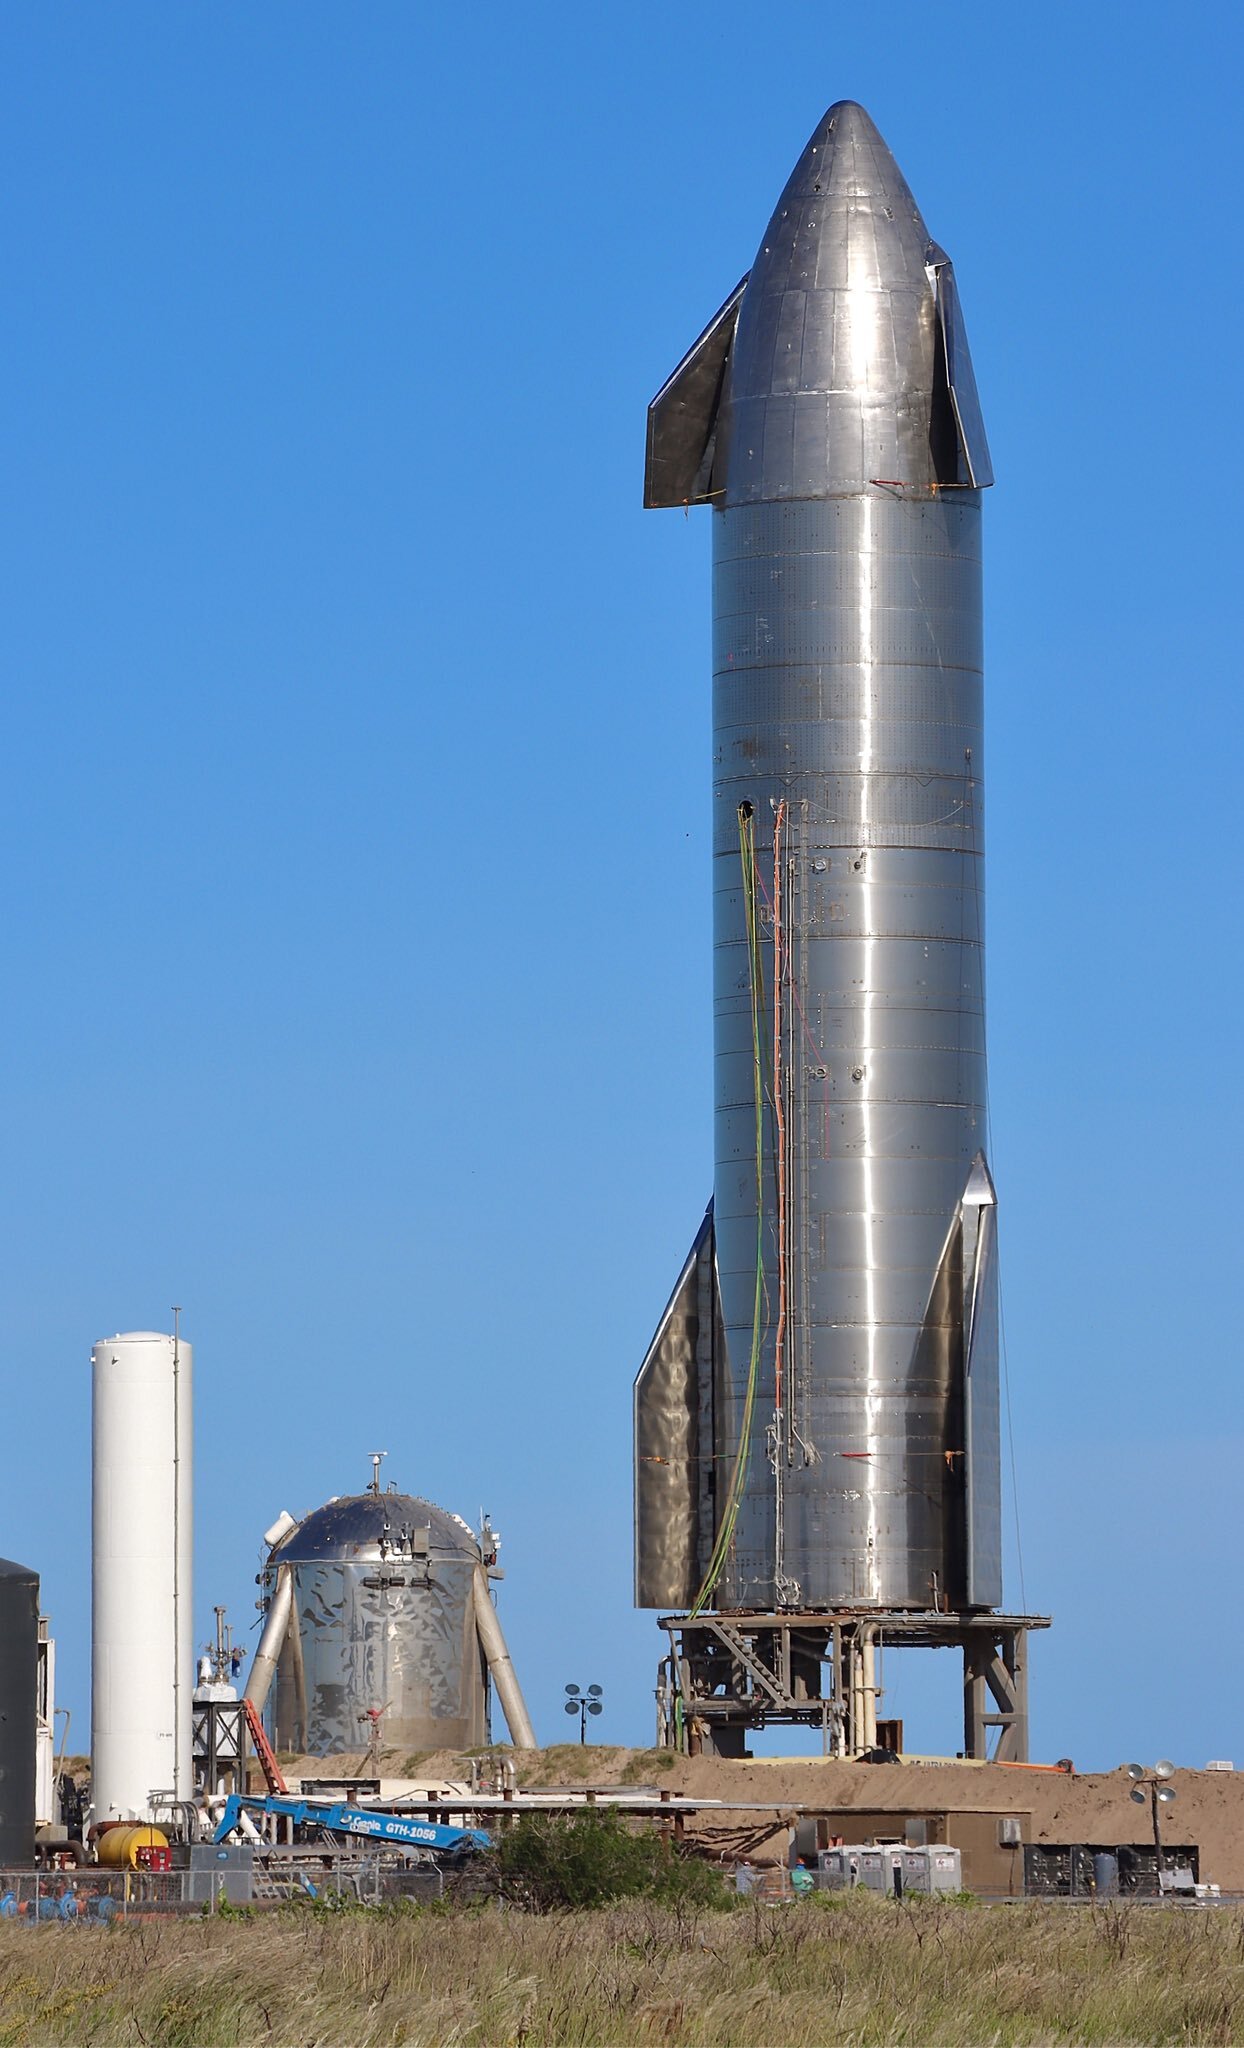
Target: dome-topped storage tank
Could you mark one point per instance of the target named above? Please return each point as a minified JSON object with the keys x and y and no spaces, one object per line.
{"x":380,"y":1623}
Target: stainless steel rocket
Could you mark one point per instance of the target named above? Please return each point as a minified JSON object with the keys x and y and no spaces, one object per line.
{"x":817,"y":1416}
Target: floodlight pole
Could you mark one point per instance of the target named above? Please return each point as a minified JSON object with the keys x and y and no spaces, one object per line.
{"x":1156,"y":1782}
{"x":588,"y":1702}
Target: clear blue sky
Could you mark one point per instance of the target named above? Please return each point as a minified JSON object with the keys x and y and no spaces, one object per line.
{"x":356,"y":772}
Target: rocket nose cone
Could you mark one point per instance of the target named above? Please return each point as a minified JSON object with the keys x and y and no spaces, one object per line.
{"x":834,"y":377}
{"x":847,"y":164}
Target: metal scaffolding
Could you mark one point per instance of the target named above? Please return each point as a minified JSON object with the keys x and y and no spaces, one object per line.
{"x":726,"y":1674}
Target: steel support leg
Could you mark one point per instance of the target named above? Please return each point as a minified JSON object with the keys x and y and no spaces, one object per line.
{"x":996,"y":1669}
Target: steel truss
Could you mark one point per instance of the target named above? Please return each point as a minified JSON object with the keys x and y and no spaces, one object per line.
{"x":726,"y":1674}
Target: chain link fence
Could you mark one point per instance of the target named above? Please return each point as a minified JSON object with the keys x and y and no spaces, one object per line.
{"x":87,"y":1896}
{"x":58,"y":1898}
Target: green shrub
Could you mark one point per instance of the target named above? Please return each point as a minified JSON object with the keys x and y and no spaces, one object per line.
{"x":552,"y":1861}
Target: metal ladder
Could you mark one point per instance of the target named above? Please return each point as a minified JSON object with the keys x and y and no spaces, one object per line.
{"x":263,"y":1749}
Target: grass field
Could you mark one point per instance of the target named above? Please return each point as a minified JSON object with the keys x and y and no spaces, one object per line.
{"x":854,"y":1970}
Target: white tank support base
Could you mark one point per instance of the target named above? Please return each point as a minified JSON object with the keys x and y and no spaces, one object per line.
{"x":501,"y":1666}
{"x":726,"y":1674}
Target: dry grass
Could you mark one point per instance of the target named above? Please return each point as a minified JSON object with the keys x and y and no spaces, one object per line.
{"x":856,"y":1971}
{"x":563,"y":1763}
{"x":573,"y":1763}
{"x":648,"y":1766}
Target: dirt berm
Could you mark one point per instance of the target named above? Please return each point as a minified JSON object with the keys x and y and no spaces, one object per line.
{"x":1093,"y":1807}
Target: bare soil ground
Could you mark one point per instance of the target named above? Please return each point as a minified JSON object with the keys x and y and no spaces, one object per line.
{"x":1091,"y":1807}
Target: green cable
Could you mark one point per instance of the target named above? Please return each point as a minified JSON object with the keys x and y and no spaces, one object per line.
{"x":738,"y":1476}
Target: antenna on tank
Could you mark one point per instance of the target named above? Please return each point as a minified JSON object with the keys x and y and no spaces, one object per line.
{"x":377,"y":1458}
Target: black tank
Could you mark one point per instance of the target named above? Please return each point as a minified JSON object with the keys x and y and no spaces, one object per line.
{"x":19,"y":1668}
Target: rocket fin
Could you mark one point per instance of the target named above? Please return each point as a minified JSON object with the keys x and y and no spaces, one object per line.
{"x":978,"y":1211}
{"x":975,"y":465}
{"x":682,"y":419}
{"x":674,"y":1404}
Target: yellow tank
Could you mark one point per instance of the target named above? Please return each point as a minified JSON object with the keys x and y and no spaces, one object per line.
{"x":118,"y":1847}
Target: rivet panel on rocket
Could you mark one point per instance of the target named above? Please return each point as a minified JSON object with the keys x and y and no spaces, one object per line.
{"x":817,"y":1415}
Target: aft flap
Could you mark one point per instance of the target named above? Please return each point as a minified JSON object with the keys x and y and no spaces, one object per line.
{"x":673,"y":1435}
{"x":982,"y":1416}
{"x":958,"y":1348}
{"x":682,"y":419}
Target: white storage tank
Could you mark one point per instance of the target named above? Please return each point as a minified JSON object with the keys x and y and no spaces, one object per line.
{"x":142,"y":1667}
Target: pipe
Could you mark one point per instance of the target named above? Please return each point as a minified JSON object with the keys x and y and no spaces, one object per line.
{"x":868,"y":1690}
{"x":245,"y":1825}
{"x":48,"y":1852}
{"x":860,"y":1648}
{"x":501,"y":1666}
{"x":271,"y":1642}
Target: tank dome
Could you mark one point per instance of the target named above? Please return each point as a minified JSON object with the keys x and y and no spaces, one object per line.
{"x":366,"y":1526}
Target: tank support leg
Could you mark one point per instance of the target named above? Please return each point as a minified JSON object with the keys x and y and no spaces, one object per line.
{"x":995,"y":1666}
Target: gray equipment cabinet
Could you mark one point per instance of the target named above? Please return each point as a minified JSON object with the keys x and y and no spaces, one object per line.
{"x":217,"y":1870}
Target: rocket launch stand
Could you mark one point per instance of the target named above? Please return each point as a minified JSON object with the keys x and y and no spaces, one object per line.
{"x":727,"y":1673}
